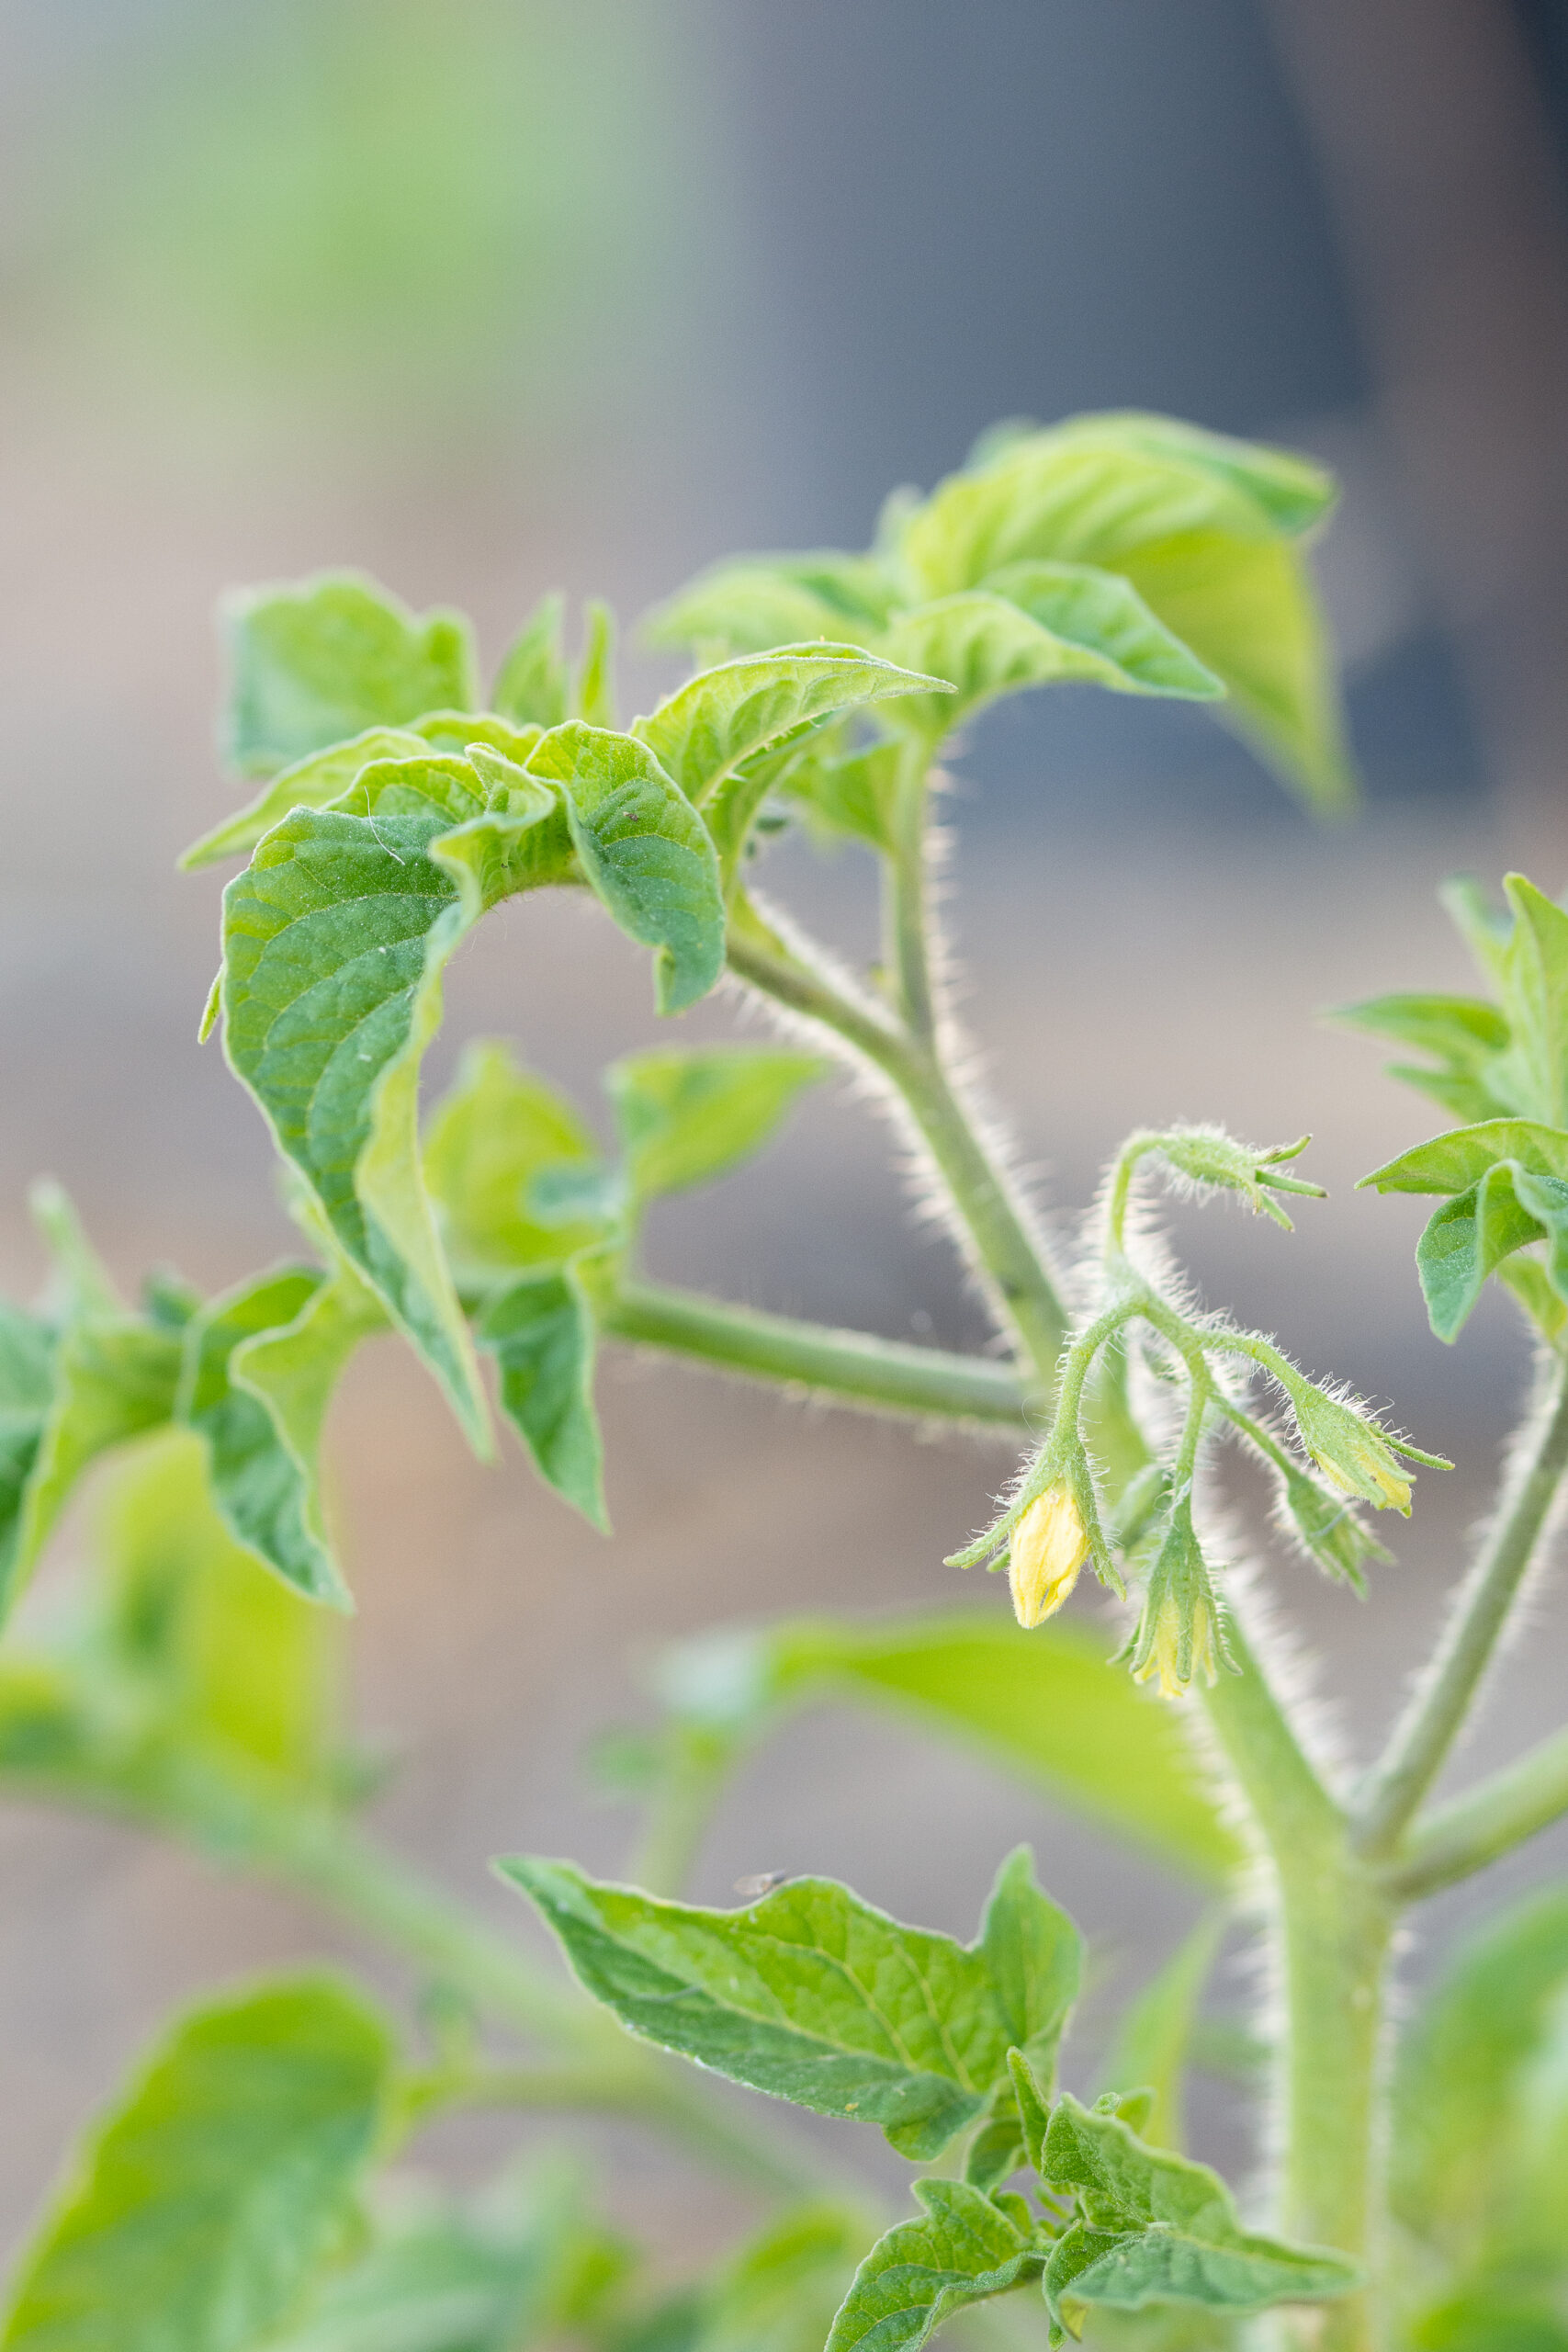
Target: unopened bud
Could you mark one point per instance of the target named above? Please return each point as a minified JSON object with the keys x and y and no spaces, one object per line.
{"x":1352,"y":1454}
{"x":1179,"y":1633}
{"x":1049,"y":1545}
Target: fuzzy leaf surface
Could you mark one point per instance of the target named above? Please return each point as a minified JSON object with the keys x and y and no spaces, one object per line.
{"x":225,"y":2173}
{"x":646,"y":852}
{"x":962,"y":2250}
{"x":722,"y":716}
{"x":1047,"y":1704}
{"x":815,"y":1997}
{"x":1453,"y":1162}
{"x":1157,"y":2228}
{"x":687,"y":1115}
{"x":316,"y":663}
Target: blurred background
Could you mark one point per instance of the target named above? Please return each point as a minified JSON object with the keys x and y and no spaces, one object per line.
{"x":494,"y":296}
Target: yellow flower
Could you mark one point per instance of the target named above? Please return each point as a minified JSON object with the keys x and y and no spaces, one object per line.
{"x":1049,"y":1547}
{"x":1164,"y":1656}
{"x":1375,"y":1478}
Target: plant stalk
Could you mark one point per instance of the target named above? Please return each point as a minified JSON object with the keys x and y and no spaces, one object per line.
{"x":1455,"y":1840}
{"x":844,"y":1367}
{"x":1437,"y":1713}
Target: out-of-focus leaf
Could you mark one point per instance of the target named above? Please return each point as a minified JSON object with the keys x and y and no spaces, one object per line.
{"x":540,"y":1330}
{"x":27,"y":1391}
{"x":325,"y":659}
{"x":813,"y":1995}
{"x":1156,"y":2227}
{"x":224,"y":2175}
{"x":115,"y":1378}
{"x":763,"y":601}
{"x":1490,"y":2319}
{"x":986,"y":644}
{"x":847,"y":794}
{"x":1463,"y":1033}
{"x":531,"y":685}
{"x":496,"y":1129}
{"x":687,"y":1115}
{"x":704,"y":730}
{"x":592,"y":696}
{"x":1046,"y":1703}
{"x":1155,"y":2036}
{"x":962,"y":2250}
{"x":781,"y":2291}
{"x":644,"y":852}
{"x":1532,"y":1075}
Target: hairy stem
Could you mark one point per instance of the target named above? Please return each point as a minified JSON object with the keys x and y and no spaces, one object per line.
{"x":847,"y":1367}
{"x":1437,"y":1713}
{"x":905,"y":921}
{"x":1455,"y":1840}
{"x":1005,"y":1252}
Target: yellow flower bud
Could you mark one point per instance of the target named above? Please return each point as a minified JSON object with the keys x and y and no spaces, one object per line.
{"x":1164,"y":1656}
{"x":1049,"y":1547}
{"x":1374,"y":1478}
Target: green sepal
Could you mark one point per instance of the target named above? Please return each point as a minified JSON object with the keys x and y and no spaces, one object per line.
{"x":962,"y":2250}
{"x":1182,"y":1627}
{"x":645,"y":852}
{"x":324,"y":658}
{"x":1207,"y":1155}
{"x":815,"y":1997}
{"x":218,"y":2184}
{"x":687,"y":1115}
{"x":1327,"y":1527}
{"x":541,"y":1331}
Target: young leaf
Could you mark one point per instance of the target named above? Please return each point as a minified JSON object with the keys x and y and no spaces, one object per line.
{"x":1464,"y":1034}
{"x":851,"y":794}
{"x":540,"y":1329}
{"x":316,"y":663}
{"x":986,"y":644}
{"x":1468,"y":1239}
{"x":1047,"y":1704}
{"x":1158,"y":2229}
{"x":810,"y":1995}
{"x":1453,"y":1163}
{"x":312,"y":783}
{"x":962,"y":2250}
{"x":687,"y":1115}
{"x":762,"y":602}
{"x":336,"y":939}
{"x":1532,"y":1076}
{"x":531,"y":686}
{"x":1035,"y":1958}
{"x":1291,"y":490}
{"x":644,"y":852}
{"x":702,"y":733}
{"x":592,"y":696}
{"x":200,"y":2207}
{"x":1156,"y":2033}
{"x":115,"y":1377}
{"x":486,"y":1139}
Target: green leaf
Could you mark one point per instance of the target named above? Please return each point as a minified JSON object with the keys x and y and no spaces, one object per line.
{"x":1035,"y":1958}
{"x":116,"y":1377}
{"x":687,"y":1115}
{"x":495,"y":1130}
{"x":1047,"y":1704}
{"x":260,"y":1366}
{"x":26,"y":1392}
{"x":1291,"y":490}
{"x":1154,"y":2037}
{"x":644,"y":852}
{"x":1453,"y":1163}
{"x":592,"y":696}
{"x":1532,"y":1076}
{"x":813,"y":1995}
{"x":762,"y":602}
{"x":1158,"y":2229}
{"x":1464,"y":1034}
{"x":987,"y":645}
{"x":531,"y":685}
{"x":703,"y":733}
{"x":1490,"y":2320}
{"x":336,"y":939}
{"x":962,"y":2250}
{"x":540,"y":1330}
{"x":1247,"y":610}
{"x":1460,"y":2059}
{"x":1468,"y":1239}
{"x":314,"y":782}
{"x":318,"y":661}
{"x":852,"y":795}
{"x":200,"y":2207}
{"x":236,"y":1662}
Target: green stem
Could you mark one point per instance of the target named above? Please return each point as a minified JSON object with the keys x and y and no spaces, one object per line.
{"x":989,"y":1213}
{"x":906,"y":922}
{"x":1456,"y":1840}
{"x":1420,"y":1744}
{"x":847,"y":1367}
